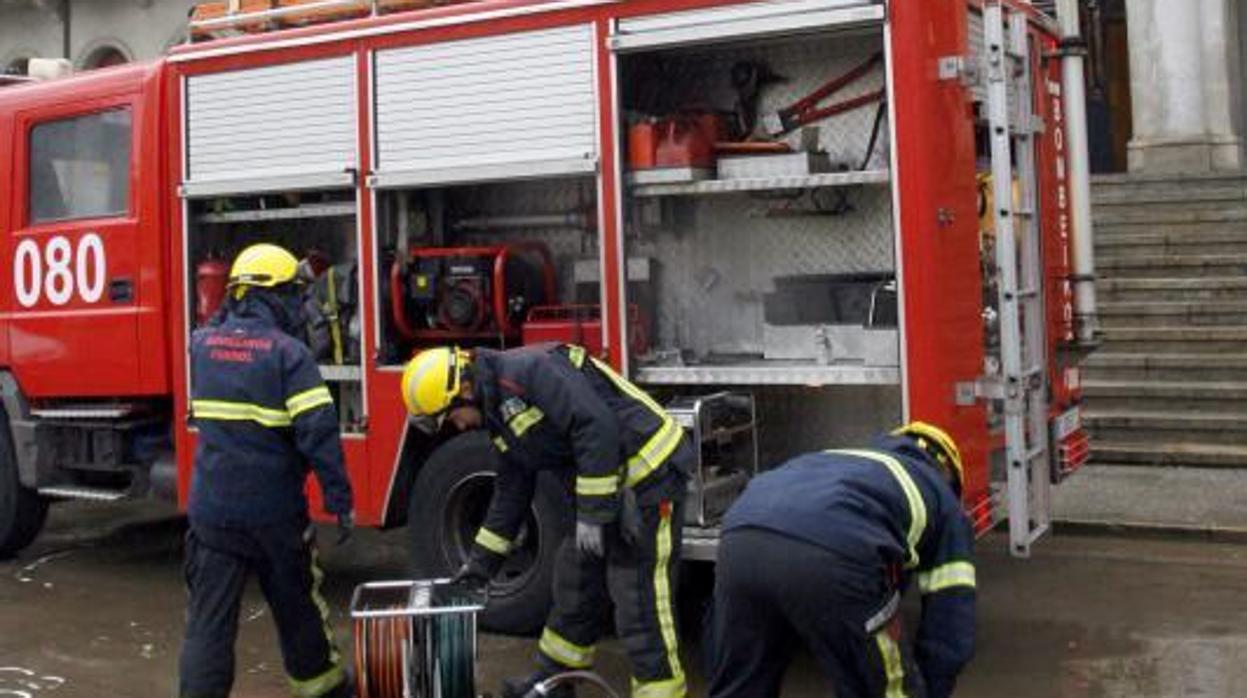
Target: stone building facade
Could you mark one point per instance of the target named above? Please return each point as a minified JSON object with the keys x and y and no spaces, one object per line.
{"x":1166,"y":76}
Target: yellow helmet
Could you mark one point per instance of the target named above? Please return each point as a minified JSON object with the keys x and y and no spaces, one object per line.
{"x":433,"y":379}
{"x":939,"y":445}
{"x":262,"y":266}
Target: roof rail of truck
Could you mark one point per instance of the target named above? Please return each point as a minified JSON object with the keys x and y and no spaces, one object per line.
{"x":228,"y":18}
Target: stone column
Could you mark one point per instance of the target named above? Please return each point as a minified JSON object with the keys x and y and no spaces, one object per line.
{"x":1183,"y":68}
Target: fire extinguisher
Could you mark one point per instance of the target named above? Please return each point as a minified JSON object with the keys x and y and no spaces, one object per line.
{"x":211,"y":278}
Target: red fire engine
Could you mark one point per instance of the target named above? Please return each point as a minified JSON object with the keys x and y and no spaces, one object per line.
{"x":797,"y":223}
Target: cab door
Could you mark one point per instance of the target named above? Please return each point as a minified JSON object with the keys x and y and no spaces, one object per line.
{"x":74,"y":306}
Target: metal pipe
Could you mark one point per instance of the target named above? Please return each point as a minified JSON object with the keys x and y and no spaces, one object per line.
{"x":1086,"y":323}
{"x":576,"y":221}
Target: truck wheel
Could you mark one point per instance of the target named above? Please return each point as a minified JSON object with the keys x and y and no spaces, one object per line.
{"x":447,"y":507}
{"x":22,"y":510}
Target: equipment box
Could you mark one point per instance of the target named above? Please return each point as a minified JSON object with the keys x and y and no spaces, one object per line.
{"x":723,"y":430}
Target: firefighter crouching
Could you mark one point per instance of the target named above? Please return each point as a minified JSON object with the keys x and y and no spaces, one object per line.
{"x":820,"y":551}
{"x":263,"y":414}
{"x":554,"y":407}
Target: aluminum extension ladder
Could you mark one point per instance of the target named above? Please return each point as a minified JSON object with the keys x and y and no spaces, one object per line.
{"x":1013,"y":126}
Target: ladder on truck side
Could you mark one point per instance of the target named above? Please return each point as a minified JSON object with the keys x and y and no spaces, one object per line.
{"x":1013,"y":126}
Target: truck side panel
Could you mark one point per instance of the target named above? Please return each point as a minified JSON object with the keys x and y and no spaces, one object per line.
{"x":935,"y":177}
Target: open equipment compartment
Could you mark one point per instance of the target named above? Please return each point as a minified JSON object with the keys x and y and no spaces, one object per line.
{"x":493,"y":264}
{"x":320,"y":228}
{"x":772,"y":241}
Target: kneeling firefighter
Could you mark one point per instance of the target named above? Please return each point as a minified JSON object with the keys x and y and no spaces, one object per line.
{"x":553,"y":407}
{"x":264,"y":414}
{"x":820,"y":551}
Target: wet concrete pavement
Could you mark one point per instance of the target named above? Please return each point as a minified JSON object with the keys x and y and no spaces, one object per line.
{"x":95,"y":608}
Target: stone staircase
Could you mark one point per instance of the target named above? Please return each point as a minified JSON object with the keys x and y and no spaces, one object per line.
{"x":1169,"y":385}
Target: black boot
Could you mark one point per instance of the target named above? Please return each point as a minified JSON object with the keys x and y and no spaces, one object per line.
{"x":523,"y":687}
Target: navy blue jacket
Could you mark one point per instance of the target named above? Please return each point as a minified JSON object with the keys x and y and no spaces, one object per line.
{"x":552,"y":407}
{"x":264,"y":414}
{"x":862,"y":508}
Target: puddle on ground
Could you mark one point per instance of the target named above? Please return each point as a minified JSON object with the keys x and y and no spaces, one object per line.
{"x":20,"y":682}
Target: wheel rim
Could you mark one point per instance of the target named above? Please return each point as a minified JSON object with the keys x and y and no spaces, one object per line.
{"x":466,"y":505}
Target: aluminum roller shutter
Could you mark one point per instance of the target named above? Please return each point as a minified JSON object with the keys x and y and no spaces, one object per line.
{"x":758,"y":19}
{"x":290,"y":126}
{"x":513,"y":106}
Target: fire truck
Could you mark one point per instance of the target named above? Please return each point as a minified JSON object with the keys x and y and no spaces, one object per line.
{"x":797,"y":223}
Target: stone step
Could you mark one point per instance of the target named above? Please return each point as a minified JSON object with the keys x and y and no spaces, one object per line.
{"x":1169,"y":454}
{"x":1168,"y":314}
{"x":1158,"y":428}
{"x":1116,"y":366}
{"x":1107,"y":232}
{"x":1112,"y":289}
{"x":1174,"y":340}
{"x":1171,"y":265}
{"x":1229,"y":190}
{"x":1221,"y":397}
{"x":1215,"y":241}
{"x":1170,"y":213}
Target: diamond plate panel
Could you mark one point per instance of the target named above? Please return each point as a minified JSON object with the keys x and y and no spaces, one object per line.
{"x":792,"y":421}
{"x":719,"y":255}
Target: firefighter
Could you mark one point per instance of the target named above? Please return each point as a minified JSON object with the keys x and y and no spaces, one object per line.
{"x":820,"y":550}
{"x":554,"y":407}
{"x":264,"y":414}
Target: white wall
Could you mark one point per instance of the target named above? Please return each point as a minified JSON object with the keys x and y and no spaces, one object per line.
{"x":141,"y":29}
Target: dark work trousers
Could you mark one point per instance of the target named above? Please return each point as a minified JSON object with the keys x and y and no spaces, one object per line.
{"x":284,"y":560}
{"x":640,"y":578}
{"x":774,"y":593}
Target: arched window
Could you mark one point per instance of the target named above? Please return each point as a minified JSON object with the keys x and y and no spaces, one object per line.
{"x":104,"y":56}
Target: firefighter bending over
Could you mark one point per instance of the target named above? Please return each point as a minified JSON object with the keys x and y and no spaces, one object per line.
{"x":553,"y":407}
{"x":820,"y":551}
{"x":263,"y":414}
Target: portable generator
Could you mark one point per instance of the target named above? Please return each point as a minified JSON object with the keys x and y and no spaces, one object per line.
{"x":453,"y":294}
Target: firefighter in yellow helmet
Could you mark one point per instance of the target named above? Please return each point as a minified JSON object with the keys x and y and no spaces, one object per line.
{"x":264,"y":414}
{"x":554,"y":407}
{"x":822,"y":549}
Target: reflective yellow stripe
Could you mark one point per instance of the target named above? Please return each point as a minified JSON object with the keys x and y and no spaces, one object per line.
{"x":223,"y":410}
{"x":492,"y":542}
{"x":566,"y":653}
{"x":597,"y":486}
{"x":655,"y":452}
{"x":670,"y":688}
{"x":500,"y":444}
{"x":525,"y":420}
{"x":576,"y":355}
{"x":308,"y":400}
{"x":661,"y":445}
{"x":331,"y":314}
{"x":662,"y":600}
{"x":336,"y":674}
{"x":954,"y":574}
{"x":892,"y":665}
{"x":628,"y":388}
{"x":319,"y":686}
{"x":917,"y":508}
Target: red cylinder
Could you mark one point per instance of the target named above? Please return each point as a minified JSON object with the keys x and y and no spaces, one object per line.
{"x":211,"y":278}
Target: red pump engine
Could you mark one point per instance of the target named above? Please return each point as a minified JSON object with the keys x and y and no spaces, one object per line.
{"x":459,"y":294}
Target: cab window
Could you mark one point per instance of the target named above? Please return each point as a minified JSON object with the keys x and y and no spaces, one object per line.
{"x":80,"y":167}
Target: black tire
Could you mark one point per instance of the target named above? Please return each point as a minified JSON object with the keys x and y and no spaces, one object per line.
{"x":448,"y":505}
{"x":22,"y":510}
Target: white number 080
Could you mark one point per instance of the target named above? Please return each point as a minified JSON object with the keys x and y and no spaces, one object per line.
{"x":57,"y":270}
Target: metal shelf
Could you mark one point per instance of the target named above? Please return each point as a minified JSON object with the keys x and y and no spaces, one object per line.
{"x":339,"y":210}
{"x":341,"y":374}
{"x":771,"y":373}
{"x":778,"y":183}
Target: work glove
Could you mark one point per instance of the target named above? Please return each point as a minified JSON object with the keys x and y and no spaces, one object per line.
{"x":589,"y":539}
{"x":346,"y":527}
{"x":471,"y":577}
